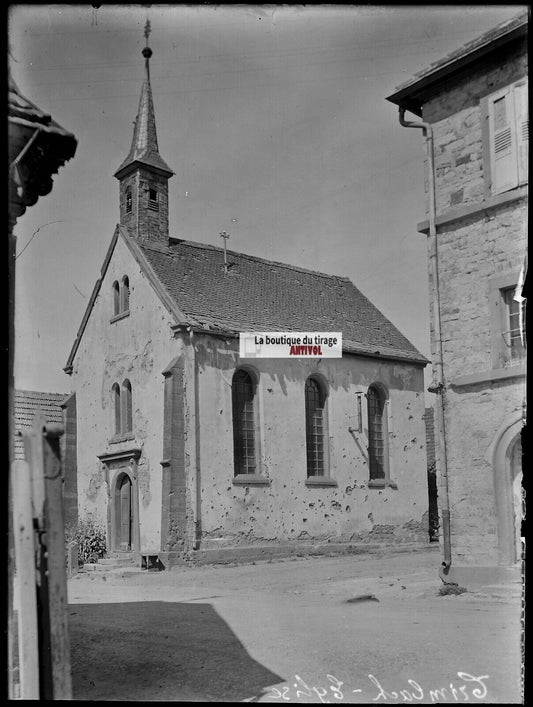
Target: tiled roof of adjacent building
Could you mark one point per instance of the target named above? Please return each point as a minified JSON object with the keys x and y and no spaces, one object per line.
{"x":261,"y":295}
{"x":408,"y":93}
{"x":27,"y":403}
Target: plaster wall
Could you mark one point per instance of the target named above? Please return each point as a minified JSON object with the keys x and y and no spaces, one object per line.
{"x":287,"y":510}
{"x":137,"y":347}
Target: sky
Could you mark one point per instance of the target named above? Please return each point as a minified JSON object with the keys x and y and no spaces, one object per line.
{"x":276,"y":124}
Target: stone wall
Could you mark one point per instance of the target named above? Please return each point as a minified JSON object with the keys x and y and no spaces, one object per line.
{"x":473,"y":252}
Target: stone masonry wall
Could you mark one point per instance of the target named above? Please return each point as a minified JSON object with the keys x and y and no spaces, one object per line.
{"x":471,"y":250}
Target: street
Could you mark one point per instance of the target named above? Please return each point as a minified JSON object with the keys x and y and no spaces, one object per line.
{"x":356,"y":629}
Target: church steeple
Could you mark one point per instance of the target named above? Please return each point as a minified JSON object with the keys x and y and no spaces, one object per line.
{"x":144,"y":175}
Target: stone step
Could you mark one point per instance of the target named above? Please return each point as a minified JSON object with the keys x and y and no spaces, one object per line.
{"x":116,"y":561}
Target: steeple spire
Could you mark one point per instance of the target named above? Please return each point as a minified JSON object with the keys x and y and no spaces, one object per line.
{"x":144,"y":146}
{"x":144,"y":175}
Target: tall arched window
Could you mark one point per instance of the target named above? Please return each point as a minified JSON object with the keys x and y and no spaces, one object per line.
{"x":116,"y":404}
{"x":116,"y":298}
{"x":128,"y":200}
{"x":315,"y":427}
{"x":127,"y":418}
{"x":243,"y":391}
{"x":125,"y":293}
{"x":377,"y":434}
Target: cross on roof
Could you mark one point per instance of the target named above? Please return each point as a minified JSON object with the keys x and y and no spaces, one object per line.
{"x":147,"y":30}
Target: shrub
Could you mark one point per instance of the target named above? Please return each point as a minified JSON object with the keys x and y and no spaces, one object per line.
{"x":90,"y":539}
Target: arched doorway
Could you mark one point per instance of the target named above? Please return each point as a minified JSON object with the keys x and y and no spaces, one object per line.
{"x":505,"y":455}
{"x":123,"y":513}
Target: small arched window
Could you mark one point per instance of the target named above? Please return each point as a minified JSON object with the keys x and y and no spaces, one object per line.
{"x":128,"y":200}
{"x":315,"y":427}
{"x":243,"y":390}
{"x":117,"y":409}
{"x":116,"y":298}
{"x":127,"y":417}
{"x":125,"y":294}
{"x":377,"y":434}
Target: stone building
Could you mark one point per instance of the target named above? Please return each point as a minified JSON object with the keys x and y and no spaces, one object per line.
{"x":474,"y":106}
{"x":184,"y":449}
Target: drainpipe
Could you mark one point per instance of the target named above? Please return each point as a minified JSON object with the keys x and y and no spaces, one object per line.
{"x":438,"y":385}
{"x":196,"y":444}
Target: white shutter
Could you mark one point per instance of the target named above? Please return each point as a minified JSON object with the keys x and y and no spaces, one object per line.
{"x":522,"y":129}
{"x":504,"y":170}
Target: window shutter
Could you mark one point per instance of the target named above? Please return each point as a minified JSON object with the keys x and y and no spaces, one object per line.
{"x":502,"y":141}
{"x":522,"y":130}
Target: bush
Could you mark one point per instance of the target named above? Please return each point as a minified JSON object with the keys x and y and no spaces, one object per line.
{"x":90,"y":539}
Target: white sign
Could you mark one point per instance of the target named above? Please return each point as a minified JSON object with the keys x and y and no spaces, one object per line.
{"x":281,"y":344}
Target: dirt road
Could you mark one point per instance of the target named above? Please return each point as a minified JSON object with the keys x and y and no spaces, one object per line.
{"x":294,"y":631}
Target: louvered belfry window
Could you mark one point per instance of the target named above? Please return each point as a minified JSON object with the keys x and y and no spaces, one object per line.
{"x":376,"y":433}
{"x":243,"y":396}
{"x":315,"y":400}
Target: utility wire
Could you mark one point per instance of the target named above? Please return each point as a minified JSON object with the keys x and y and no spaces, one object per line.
{"x":33,"y":236}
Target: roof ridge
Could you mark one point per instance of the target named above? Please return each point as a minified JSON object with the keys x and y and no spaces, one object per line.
{"x":256,"y":258}
{"x":19,"y":391}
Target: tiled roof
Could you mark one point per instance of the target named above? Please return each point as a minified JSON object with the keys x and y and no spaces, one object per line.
{"x":27,"y":403}
{"x":262,"y":295}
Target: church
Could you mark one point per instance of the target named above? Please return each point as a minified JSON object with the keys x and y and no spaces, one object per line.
{"x":185,"y":450}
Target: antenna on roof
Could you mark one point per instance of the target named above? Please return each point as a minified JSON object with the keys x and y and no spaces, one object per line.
{"x":225,"y":236}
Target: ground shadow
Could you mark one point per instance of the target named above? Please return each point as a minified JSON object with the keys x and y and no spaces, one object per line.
{"x":160,"y":651}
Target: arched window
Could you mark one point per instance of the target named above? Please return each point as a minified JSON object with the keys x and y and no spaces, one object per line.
{"x":116,"y":298}
{"x":128,"y":200}
{"x":125,"y":294}
{"x":127,"y":419}
{"x":315,"y":427}
{"x":243,"y":391}
{"x":377,"y":434}
{"x":116,"y":404}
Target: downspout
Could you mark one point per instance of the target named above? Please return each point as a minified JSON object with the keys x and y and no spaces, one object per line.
{"x":196,"y":431}
{"x":438,"y":385}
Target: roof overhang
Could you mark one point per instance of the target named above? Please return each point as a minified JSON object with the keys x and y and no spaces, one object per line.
{"x":412,"y":94}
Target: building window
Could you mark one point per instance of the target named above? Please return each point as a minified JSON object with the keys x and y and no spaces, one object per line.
{"x":507,"y":308}
{"x":128,"y":200}
{"x":122,"y":404}
{"x":121,"y":298}
{"x":508,"y":137}
{"x":125,"y":294}
{"x":116,"y":406}
{"x":513,"y":319}
{"x":153,"y":201}
{"x":116,"y":298}
{"x":315,"y":428}
{"x":378,"y":452}
{"x":243,"y":391}
{"x":127,"y":417}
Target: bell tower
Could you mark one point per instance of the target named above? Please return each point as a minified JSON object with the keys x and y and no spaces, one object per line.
{"x":143,"y":176}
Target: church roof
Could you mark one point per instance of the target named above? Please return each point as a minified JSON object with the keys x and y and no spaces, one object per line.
{"x":144,"y":147}
{"x":262,"y":295}
{"x":27,"y":403}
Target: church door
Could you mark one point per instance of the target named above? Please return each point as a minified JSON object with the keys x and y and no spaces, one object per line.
{"x":124,"y":520}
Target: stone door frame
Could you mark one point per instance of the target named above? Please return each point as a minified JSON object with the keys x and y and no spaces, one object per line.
{"x":116,"y":465}
{"x":499,"y":456}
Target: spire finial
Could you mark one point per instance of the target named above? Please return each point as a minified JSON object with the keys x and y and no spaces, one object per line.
{"x":147,"y":30}
{"x":147,"y":52}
